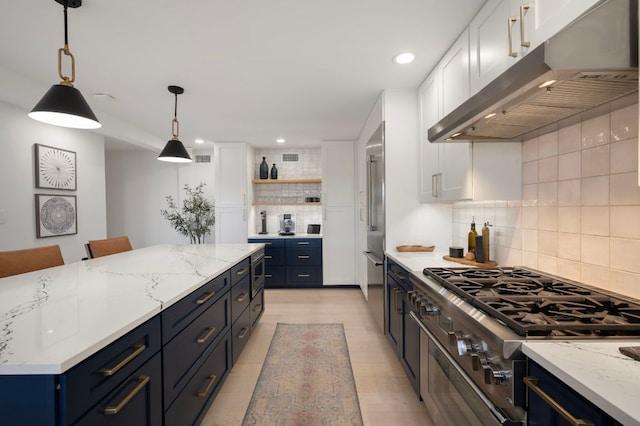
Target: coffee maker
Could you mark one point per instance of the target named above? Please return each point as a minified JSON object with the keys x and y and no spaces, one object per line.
{"x":287,"y":224}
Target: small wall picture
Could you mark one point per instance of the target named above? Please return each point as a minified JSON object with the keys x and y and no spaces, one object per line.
{"x":55,"y":215}
{"x":55,"y":168}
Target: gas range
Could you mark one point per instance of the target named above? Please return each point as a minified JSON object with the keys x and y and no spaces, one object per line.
{"x":480,"y":317}
{"x":534,"y":304}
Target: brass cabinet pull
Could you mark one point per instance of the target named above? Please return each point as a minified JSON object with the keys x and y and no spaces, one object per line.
{"x":205,"y":298}
{"x":396,"y":292}
{"x":243,"y":333}
{"x":242,"y":297}
{"x":212,"y":380}
{"x":523,"y":10}
{"x":137,"y":350}
{"x":510,"y":21}
{"x":257,"y":307}
{"x":303,"y":275}
{"x":110,"y":410}
{"x":242,"y":271}
{"x":304,"y":256}
{"x":208,"y":334}
{"x":532,"y":383}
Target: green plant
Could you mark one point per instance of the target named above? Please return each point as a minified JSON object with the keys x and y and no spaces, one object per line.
{"x":197,"y":215}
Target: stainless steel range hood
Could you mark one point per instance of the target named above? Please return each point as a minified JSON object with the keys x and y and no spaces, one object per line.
{"x":593,"y":61}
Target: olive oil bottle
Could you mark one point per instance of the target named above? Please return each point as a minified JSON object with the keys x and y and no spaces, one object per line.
{"x":472,"y":236}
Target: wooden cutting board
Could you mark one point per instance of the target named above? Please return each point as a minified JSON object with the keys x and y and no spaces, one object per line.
{"x":631,"y":351}
{"x":464,"y":261}
{"x":413,"y":248}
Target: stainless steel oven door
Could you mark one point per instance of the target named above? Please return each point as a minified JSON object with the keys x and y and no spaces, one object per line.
{"x":451,"y":397}
{"x":257,"y":273}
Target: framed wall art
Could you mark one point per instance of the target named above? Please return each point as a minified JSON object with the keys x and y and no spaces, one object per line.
{"x":55,"y":168}
{"x":56,"y":215}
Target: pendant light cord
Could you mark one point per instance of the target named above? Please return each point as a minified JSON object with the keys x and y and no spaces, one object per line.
{"x":66,"y":33}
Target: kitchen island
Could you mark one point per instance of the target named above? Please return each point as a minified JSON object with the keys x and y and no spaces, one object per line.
{"x":55,"y":321}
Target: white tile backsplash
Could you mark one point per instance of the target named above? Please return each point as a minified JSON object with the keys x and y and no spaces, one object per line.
{"x":579,"y":216}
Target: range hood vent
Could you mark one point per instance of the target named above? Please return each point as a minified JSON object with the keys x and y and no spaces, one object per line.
{"x":592,"y":62}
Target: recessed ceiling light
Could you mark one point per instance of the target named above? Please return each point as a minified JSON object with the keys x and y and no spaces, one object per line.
{"x":199,"y":141}
{"x":280,"y":140}
{"x":404,"y":58}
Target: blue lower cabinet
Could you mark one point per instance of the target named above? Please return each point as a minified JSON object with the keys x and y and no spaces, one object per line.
{"x":240,"y":297}
{"x":240,"y":333}
{"x":28,"y":400}
{"x":304,"y":276}
{"x":192,"y":403}
{"x":137,"y":401}
{"x":292,"y":262}
{"x":256,"y":308}
{"x":186,"y":352}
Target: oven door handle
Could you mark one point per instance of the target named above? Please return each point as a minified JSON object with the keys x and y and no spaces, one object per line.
{"x":496,"y":412}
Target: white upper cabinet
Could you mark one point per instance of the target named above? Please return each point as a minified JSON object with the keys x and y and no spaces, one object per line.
{"x":444,"y":168}
{"x":230,"y":161}
{"x":338,"y":162}
{"x":453,"y":75}
{"x":494,"y":42}
{"x":504,"y":31}
{"x":546,"y":17}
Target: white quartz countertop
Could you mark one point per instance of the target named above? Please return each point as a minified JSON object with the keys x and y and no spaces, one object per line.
{"x":597,"y":370}
{"x":417,"y":261}
{"x":52,"y":319}
{"x":275,"y":235}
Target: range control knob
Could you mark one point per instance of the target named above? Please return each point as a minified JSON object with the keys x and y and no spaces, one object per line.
{"x":494,"y":375}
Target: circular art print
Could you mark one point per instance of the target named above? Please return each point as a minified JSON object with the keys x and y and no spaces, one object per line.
{"x":55,"y":168}
{"x":56,"y":215}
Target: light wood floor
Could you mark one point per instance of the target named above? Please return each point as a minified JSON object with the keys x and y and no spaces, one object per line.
{"x":386,"y":397}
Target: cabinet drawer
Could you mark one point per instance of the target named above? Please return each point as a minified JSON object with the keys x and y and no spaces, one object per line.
{"x":304,"y":276}
{"x":274,"y":276}
{"x":240,"y":333}
{"x":304,"y":256}
{"x":240,"y":298}
{"x":241,"y":270}
{"x":183,"y":354}
{"x":303,"y":243}
{"x":399,"y":273}
{"x":275,"y":256}
{"x":257,"y":308}
{"x":90,"y":381}
{"x":137,"y":401}
{"x":186,"y":310}
{"x":268,"y":242}
{"x":192,"y":403}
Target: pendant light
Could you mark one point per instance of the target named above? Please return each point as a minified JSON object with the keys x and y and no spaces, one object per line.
{"x":174,"y":151}
{"x":63,"y":105}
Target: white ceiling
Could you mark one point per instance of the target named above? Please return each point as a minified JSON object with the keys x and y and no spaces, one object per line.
{"x":252,"y":70}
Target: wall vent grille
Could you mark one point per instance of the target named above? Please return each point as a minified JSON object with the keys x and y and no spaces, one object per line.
{"x":203,"y":158}
{"x":289,"y":157}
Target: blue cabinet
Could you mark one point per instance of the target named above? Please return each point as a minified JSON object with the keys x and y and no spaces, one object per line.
{"x":542,"y":413}
{"x":292,"y":262}
{"x":402,"y":332}
{"x":165,"y":371}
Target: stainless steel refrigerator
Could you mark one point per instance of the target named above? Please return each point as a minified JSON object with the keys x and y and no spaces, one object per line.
{"x":375,"y":224}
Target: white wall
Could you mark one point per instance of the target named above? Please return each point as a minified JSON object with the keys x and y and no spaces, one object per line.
{"x":408,"y":221}
{"x":18,"y":134}
{"x":137,"y":184}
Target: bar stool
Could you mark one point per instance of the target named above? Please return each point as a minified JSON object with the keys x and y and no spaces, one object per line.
{"x":99,"y":248}
{"x":20,"y":261}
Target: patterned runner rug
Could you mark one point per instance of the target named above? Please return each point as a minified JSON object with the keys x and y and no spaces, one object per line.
{"x":306,"y":379}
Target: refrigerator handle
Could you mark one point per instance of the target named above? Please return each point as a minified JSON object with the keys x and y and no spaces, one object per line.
{"x":373,"y":258}
{"x":370,"y":202}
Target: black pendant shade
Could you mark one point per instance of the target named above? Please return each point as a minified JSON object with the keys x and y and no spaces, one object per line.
{"x":65,"y":106}
{"x":174,"y":152}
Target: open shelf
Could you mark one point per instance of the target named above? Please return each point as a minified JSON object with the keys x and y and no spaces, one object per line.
{"x":285,"y":181}
{"x":286,"y":204}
